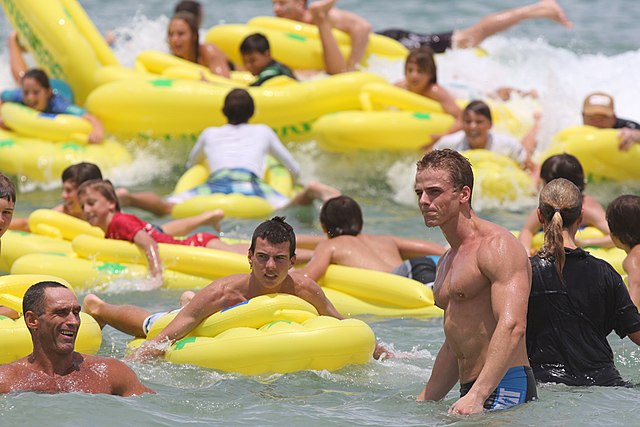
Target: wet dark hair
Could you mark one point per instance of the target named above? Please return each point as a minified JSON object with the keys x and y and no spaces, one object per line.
{"x":38,"y":75}
{"x":256,"y":42}
{"x":454,"y":163}
{"x":102,"y":186}
{"x":81,"y":172}
{"x":623,"y":215}
{"x":341,"y":216}
{"x":34,"y":297}
{"x":423,"y":57}
{"x":478,"y":107}
{"x":560,"y":204}
{"x":564,"y":166}
{"x":275,"y":231}
{"x":192,"y":22}
{"x":7,"y":189}
{"x":238,"y":106}
{"x":191,"y":6}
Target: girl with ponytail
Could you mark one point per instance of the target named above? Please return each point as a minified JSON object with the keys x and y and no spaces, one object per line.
{"x":576,"y":300}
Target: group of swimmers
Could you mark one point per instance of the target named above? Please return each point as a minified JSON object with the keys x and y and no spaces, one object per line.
{"x":499,"y":306}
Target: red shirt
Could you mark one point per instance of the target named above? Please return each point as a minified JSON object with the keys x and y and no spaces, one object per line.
{"x":125,"y":226}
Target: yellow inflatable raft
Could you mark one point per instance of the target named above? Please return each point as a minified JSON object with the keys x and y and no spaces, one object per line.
{"x":40,"y":161}
{"x":353,"y":291}
{"x":52,"y":127}
{"x":16,"y":244}
{"x":15,"y":339}
{"x":297,"y":44}
{"x":234,"y":205}
{"x":498,"y":179}
{"x":62,"y":39}
{"x":169,"y":108}
{"x":598,"y":152}
{"x":271,"y":334}
{"x":394,"y":119}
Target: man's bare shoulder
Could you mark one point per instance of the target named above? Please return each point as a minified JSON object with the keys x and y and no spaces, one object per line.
{"x":501,"y":250}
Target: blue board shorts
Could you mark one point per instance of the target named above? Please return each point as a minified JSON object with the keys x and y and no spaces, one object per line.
{"x":516,"y":387}
{"x":234,"y":181}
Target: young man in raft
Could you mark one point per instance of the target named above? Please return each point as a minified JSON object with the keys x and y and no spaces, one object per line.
{"x":341,"y":220}
{"x":325,"y":16}
{"x":271,"y":255}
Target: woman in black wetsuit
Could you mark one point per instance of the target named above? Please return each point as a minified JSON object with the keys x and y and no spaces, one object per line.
{"x":576,"y":300}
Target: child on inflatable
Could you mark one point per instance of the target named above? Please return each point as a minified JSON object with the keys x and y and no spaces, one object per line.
{"x":74,"y":175}
{"x":256,"y":57}
{"x":622,"y":218}
{"x":568,"y":167}
{"x":36,"y":92}
{"x":101,"y":209}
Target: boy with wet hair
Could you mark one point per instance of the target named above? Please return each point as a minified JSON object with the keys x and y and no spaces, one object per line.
{"x":256,"y":56}
{"x":622,"y":217}
{"x":7,"y":203}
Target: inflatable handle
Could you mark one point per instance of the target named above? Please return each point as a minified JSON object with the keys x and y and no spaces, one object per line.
{"x":11,"y":301}
{"x":365,"y":101}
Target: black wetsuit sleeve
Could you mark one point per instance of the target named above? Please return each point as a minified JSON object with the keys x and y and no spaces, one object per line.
{"x":627,"y":318}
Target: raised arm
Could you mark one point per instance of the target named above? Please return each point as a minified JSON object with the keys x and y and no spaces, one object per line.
{"x":16,"y":60}
{"x":413,"y":248}
{"x":213,"y":298}
{"x":319,"y":262}
{"x":150,"y":247}
{"x":444,"y":375}
{"x":506,"y":265}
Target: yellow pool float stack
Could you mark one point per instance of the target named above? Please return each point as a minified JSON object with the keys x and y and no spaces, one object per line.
{"x":297,"y":44}
{"x":271,"y":334}
{"x":15,"y":339}
{"x":598,"y":152}
{"x":173,"y":108}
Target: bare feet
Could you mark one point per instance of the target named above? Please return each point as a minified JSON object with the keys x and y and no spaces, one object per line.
{"x":320,"y":10}
{"x":123,"y":197}
{"x":550,"y":9}
{"x":91,"y":306}
{"x":213,"y":218}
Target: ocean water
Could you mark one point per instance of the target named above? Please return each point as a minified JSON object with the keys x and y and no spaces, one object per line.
{"x":600,"y":53}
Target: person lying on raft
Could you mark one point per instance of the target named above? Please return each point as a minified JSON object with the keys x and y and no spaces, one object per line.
{"x":184,"y":42}
{"x":576,"y":300}
{"x":52,"y":315}
{"x":489,"y":25}
{"x":236,"y":154}
{"x":256,"y":57}
{"x":476,"y":133}
{"x":598,"y":111}
{"x":271,"y":255}
{"x":341,"y":220}
{"x":73,"y":176}
{"x":325,"y":16}
{"x":622,"y":217}
{"x":568,"y":167}
{"x":35,"y":92}
{"x":7,"y":205}
{"x":101,"y":209}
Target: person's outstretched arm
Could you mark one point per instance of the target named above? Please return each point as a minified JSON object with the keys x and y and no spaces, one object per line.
{"x":150,"y":247}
